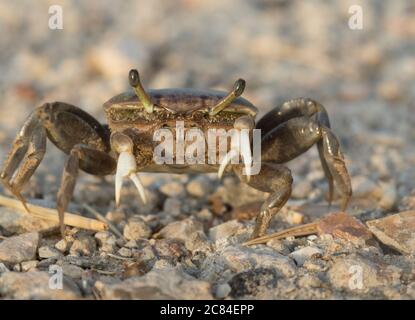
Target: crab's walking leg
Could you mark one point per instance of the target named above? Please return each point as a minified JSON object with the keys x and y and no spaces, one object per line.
{"x":27,"y":152}
{"x":301,"y":123}
{"x":277,"y":180}
{"x":73,"y":131}
{"x":90,"y":158}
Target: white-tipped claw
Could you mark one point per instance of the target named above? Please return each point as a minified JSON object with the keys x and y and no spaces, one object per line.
{"x":246,"y":155}
{"x":126,"y":167}
{"x":241,"y":145}
{"x":134,"y":177}
{"x":225,"y":161}
{"x":118,"y":187}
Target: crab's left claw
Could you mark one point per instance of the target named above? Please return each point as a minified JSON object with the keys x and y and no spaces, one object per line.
{"x":225,"y":161}
{"x":126,"y":167}
{"x":241,"y":145}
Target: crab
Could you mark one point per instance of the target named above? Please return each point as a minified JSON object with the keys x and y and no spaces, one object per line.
{"x":125,"y":147}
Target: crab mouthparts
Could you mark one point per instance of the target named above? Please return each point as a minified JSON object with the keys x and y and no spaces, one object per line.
{"x":243,"y":147}
{"x":126,"y":167}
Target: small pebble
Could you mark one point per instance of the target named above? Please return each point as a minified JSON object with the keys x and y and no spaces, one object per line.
{"x":72,"y":271}
{"x":63,"y":245}
{"x":172,"y":206}
{"x":28,"y":265}
{"x":46,"y":252}
{"x":199,"y":187}
{"x":173,"y":189}
{"x":131,"y":244}
{"x":125,"y":252}
{"x":107,"y":241}
{"x":301,"y":255}
{"x":136,"y":229}
{"x":3,"y":268}
{"x":222,"y":291}
{"x":83,"y":246}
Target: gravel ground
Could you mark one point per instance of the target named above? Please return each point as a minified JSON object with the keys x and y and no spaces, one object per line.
{"x":187,"y":241}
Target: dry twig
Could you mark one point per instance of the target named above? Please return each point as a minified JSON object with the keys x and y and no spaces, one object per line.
{"x":303,"y":230}
{"x":72,"y":220}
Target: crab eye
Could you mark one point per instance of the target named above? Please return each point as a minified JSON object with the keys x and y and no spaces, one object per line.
{"x":133,"y":77}
{"x":239,"y":87}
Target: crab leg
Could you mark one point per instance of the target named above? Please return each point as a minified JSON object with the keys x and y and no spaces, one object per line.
{"x":28,"y":150}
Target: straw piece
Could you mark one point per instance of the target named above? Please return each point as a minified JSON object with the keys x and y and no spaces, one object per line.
{"x":303,"y":230}
{"x":70,"y":219}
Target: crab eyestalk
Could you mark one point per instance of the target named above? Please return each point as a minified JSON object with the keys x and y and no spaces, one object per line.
{"x":134,"y":79}
{"x":241,"y":144}
{"x":238,"y":89}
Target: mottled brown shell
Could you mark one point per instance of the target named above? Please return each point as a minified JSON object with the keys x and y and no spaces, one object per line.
{"x":184,"y":100}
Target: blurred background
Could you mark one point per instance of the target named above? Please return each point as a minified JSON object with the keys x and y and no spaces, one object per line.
{"x":284,"y":49}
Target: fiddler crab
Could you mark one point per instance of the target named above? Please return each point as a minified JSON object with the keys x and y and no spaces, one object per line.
{"x":126,"y":145}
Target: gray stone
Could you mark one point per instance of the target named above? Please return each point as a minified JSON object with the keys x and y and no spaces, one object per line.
{"x":72,"y":271}
{"x":200,"y":187}
{"x":19,"y":248}
{"x":173,"y":189}
{"x":222,"y":291}
{"x":125,"y":252}
{"x":309,"y":281}
{"x":35,"y":285}
{"x":389,"y":196}
{"x":163,"y":283}
{"x":278,"y":245}
{"x":359,"y":274}
{"x":224,"y":230}
{"x":303,"y":254}
{"x":17,"y":222}
{"x":28,"y":265}
{"x":3,"y":268}
{"x":131,"y":244}
{"x":172,"y":206}
{"x":107,"y":241}
{"x":396,"y":231}
{"x":222,"y":264}
{"x":63,"y":245}
{"x":189,"y":231}
{"x":46,"y":252}
{"x":83,"y":246}
{"x":251,"y":282}
{"x":136,"y":229}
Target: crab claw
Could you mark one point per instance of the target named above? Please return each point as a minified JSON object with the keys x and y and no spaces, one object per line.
{"x":225,"y":161}
{"x":243,"y":147}
{"x":126,"y":167}
{"x":245,"y":150}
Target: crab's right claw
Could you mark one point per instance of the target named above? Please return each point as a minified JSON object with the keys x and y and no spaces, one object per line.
{"x":126,"y":167}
